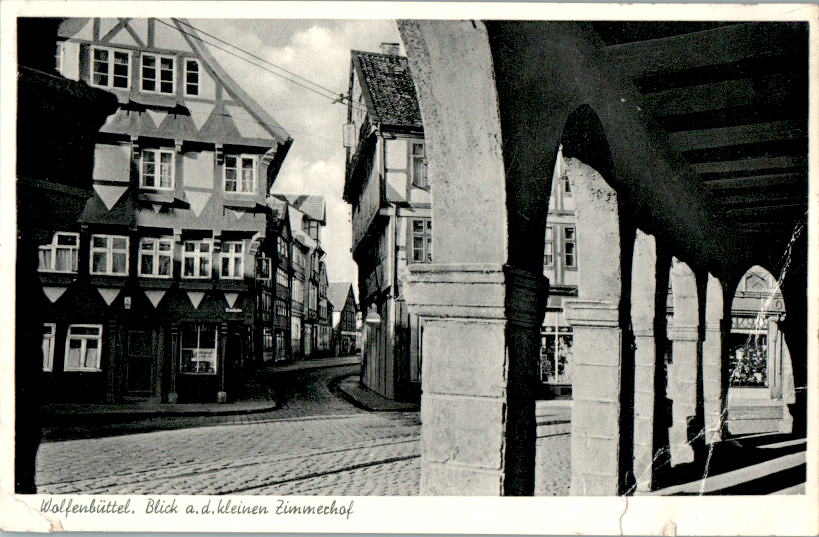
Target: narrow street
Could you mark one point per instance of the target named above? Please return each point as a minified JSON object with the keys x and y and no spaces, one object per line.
{"x":318,"y":444}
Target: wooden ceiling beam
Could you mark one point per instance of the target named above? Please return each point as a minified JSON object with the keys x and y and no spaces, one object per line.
{"x":742,"y":134}
{"x":769,"y":90}
{"x":760,"y":199}
{"x":710,"y":47}
{"x":783,"y":180}
{"x":750,"y":164}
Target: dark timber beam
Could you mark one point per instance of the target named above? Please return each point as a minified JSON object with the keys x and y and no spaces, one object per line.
{"x":750,"y":164}
{"x":710,"y":47}
{"x":742,"y":134}
{"x":781,"y":180}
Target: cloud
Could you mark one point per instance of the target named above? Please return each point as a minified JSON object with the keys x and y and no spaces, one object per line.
{"x":319,"y":51}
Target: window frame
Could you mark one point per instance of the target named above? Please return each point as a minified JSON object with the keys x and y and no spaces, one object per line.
{"x":109,"y":254}
{"x":156,"y":253}
{"x":416,"y":157}
{"x":572,"y":241}
{"x":187,"y":72}
{"x":238,"y":180}
{"x":110,"y":70}
{"x":549,"y":248}
{"x":197,"y":255}
{"x":426,"y":239}
{"x":262,"y":259}
{"x":53,"y":247}
{"x":199,"y":327}
{"x":281,"y":274}
{"x":158,"y":73}
{"x":158,"y":152}
{"x":48,"y":358}
{"x":232,"y":257}
{"x":84,"y":338}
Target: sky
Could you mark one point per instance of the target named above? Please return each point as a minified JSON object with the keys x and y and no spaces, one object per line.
{"x":318,"y":50}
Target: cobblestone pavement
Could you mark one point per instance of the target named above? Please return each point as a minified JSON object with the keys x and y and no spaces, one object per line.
{"x":318,"y":444}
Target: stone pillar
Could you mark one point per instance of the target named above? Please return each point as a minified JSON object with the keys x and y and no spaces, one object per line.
{"x":596,"y":397}
{"x":480,"y":350}
{"x":712,"y":358}
{"x":643,"y":319}
{"x":683,"y":372}
{"x":221,"y":395}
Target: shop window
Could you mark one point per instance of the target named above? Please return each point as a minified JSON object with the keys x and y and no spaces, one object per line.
{"x":556,"y":354}
{"x":748,"y":360}
{"x":422,"y":241}
{"x":196,"y":257}
{"x":418,"y":165}
{"x":232,"y":259}
{"x":157,"y":169}
{"x":281,"y":347}
{"x":199,"y":345}
{"x":158,"y":74}
{"x":48,"y":346}
{"x":110,"y":68}
{"x":191,"y":77}
{"x":240,"y":174}
{"x":155,"y":257}
{"x":61,"y":254}
{"x":569,"y":247}
{"x":83,"y":346}
{"x":109,"y":255}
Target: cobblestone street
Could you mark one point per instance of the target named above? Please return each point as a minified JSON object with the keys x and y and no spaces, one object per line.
{"x":319,"y":444}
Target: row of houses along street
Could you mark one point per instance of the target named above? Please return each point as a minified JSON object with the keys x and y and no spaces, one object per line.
{"x":183,"y":275}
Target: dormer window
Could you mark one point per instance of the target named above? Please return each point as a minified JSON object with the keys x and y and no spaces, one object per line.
{"x":157,"y":169}
{"x":158,"y":73}
{"x":240,"y":174}
{"x":110,"y":68}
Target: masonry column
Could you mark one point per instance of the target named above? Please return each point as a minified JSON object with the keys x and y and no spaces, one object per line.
{"x":712,"y":357}
{"x":647,"y":375}
{"x":481,"y":317}
{"x":685,"y":348}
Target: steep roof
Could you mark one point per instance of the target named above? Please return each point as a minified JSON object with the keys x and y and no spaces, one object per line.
{"x":311,"y":205}
{"x":337,"y":293}
{"x":388,"y":88}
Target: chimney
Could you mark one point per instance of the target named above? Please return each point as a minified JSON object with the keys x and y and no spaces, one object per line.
{"x":390,"y":48}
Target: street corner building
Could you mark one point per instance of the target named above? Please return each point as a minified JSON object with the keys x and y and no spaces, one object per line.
{"x":162,"y":287}
{"x":387,"y":186}
{"x":346,"y":334}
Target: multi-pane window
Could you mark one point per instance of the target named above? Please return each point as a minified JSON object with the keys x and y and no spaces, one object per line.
{"x":282,"y":277}
{"x":422,"y":241}
{"x":549,"y":252}
{"x":110,"y":68}
{"x":58,"y":57}
{"x":199,"y":343}
{"x":569,"y":247}
{"x":281,"y":308}
{"x":158,"y":73}
{"x":266,"y":301}
{"x":419,"y":165}
{"x":298,"y":258}
{"x":240,"y":174}
{"x":267,"y":339}
{"x":556,"y":354}
{"x":282,"y":248}
{"x":312,"y":297}
{"x":191,"y":77}
{"x":48,"y":346}
{"x":61,"y":254}
{"x":109,"y":254}
{"x":156,"y":257}
{"x":83,"y":346}
{"x":298,"y":291}
{"x":196,"y":256}
{"x":263,"y":268}
{"x":157,"y":169}
{"x":232,"y":259}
